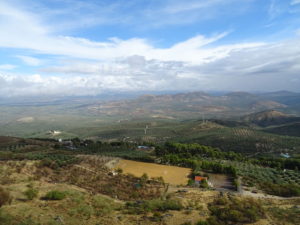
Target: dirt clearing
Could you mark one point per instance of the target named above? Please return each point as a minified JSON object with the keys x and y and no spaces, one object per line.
{"x":221,"y":181}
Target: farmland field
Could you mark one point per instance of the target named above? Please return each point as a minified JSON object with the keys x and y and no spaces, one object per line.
{"x":171,"y":174}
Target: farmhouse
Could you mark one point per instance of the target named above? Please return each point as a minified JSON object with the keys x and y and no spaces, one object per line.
{"x":54,"y":132}
{"x":285,"y":155}
{"x":199,"y":179}
{"x":144,"y":147}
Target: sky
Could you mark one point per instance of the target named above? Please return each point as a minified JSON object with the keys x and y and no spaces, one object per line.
{"x":91,"y":47}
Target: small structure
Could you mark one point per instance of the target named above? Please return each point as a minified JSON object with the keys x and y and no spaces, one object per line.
{"x":199,"y":179}
{"x":285,"y":155}
{"x":144,"y":147}
{"x":54,"y":132}
{"x":69,"y":145}
{"x":113,"y":173}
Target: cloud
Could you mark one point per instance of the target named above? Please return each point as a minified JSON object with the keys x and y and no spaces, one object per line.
{"x":295,"y":2}
{"x":269,"y":67}
{"x":181,"y":6}
{"x":81,"y":66}
{"x":31,"y":61}
{"x":7,"y":67}
{"x":48,"y":43}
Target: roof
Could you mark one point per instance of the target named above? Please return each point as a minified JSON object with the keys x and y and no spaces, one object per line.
{"x":199,"y":178}
{"x":285,"y":155}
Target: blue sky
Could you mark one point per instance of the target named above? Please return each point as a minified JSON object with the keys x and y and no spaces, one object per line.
{"x":89,"y":47}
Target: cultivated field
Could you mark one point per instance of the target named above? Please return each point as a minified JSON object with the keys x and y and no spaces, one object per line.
{"x":171,"y":174}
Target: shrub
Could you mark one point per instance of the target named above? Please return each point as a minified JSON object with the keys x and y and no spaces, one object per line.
{"x":234,"y":211}
{"x":119,"y":170}
{"x":55,"y":195}
{"x":31,"y":193}
{"x":144,"y":177}
{"x":202,"y":223}
{"x":5,"y":197}
{"x":157,"y":216}
{"x":154,"y":205}
{"x":83,"y":210}
{"x":190,"y":182}
{"x":187,"y":223}
{"x":103,"y":206}
{"x":5,"y":218}
{"x":290,"y":215}
{"x":204,"y":184}
{"x":285,"y":190}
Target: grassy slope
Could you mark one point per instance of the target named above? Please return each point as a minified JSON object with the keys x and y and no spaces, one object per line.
{"x":287,"y":129}
{"x":81,"y":206}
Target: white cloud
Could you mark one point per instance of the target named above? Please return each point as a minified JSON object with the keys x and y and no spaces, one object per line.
{"x":47,"y":43}
{"x":24,"y":30}
{"x":269,"y":67}
{"x":31,"y":61}
{"x":86,"y":67}
{"x":295,"y":2}
{"x":182,"y":6}
{"x":7,"y":67}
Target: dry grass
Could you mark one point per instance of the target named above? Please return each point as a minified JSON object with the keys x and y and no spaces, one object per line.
{"x":171,"y":174}
{"x":81,"y":207}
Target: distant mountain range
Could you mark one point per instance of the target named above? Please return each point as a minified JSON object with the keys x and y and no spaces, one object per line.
{"x":197,"y":104}
{"x":71,"y":114}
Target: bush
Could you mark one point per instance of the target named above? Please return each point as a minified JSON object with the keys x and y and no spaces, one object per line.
{"x":202,"y":223}
{"x":234,"y":211}
{"x":187,"y":223}
{"x":55,"y":195}
{"x":5,"y":197}
{"x":155,"y":205}
{"x":284,"y":190}
{"x":190,"y":182}
{"x":204,"y":184}
{"x":286,"y":215}
{"x":5,"y":218}
{"x":82,"y":210}
{"x":31,"y":193}
{"x":103,"y":206}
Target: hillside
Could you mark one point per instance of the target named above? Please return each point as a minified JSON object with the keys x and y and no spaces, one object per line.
{"x":42,"y":182}
{"x":73,"y":115}
{"x":269,"y":118}
{"x":292,"y":129}
{"x":283,"y":97}
{"x":186,"y":105}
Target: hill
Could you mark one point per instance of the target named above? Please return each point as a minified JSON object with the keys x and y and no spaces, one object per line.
{"x":43,"y":182}
{"x":84,"y":117}
{"x":269,"y":118}
{"x":186,"y":105}
{"x":290,"y":99}
{"x":292,"y":129}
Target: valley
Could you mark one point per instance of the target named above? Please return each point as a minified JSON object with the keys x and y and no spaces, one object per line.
{"x":178,"y":167}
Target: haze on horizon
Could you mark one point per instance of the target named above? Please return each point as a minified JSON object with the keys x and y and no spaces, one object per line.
{"x":89,"y":47}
